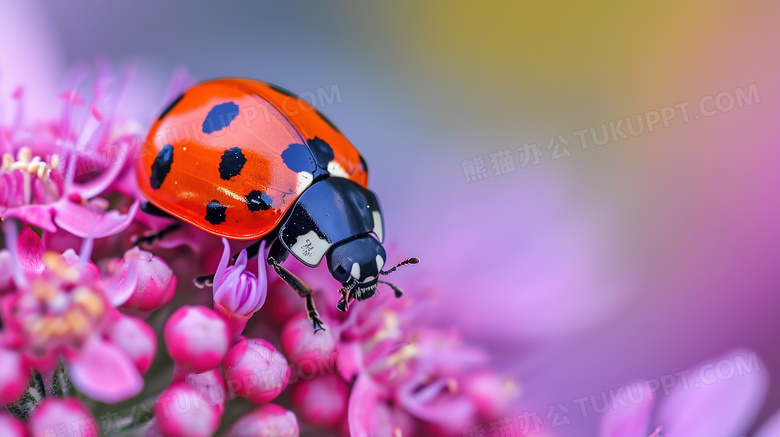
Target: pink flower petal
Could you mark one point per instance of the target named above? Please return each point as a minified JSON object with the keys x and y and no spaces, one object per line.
{"x":84,"y":222}
{"x":33,"y":215}
{"x":103,"y":372}
{"x":631,"y":421}
{"x":722,"y":398}
{"x":13,"y":378}
{"x":122,"y":286}
{"x":363,"y":407}
{"x":29,"y":249}
{"x":99,"y":184}
{"x":136,"y":339}
{"x":771,"y":428}
{"x":433,"y":403}
{"x":219,"y":275}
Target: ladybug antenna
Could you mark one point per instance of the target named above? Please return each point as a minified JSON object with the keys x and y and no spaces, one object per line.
{"x":402,"y":263}
{"x":398,"y":291}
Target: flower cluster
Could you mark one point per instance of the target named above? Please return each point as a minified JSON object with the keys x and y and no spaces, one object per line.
{"x":82,"y":309}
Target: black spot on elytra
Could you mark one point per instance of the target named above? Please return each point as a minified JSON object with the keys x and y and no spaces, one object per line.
{"x":170,"y":107}
{"x":219,"y":117}
{"x":215,"y":212}
{"x":364,"y":164}
{"x":161,"y":166}
{"x":297,"y":158}
{"x":233,"y":161}
{"x":321,"y":150}
{"x":281,"y":90}
{"x":257,"y":200}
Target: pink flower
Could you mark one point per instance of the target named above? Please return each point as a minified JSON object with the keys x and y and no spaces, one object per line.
{"x":238,"y":293}
{"x":135,"y":338}
{"x":210,"y":385}
{"x":302,"y":345}
{"x":51,"y":169}
{"x":59,"y":309}
{"x":196,"y":338}
{"x":182,"y":411}
{"x":321,"y":401}
{"x":267,"y":420}
{"x":62,"y":417}
{"x":255,"y":370}
{"x":715,"y":400}
{"x":155,"y":285}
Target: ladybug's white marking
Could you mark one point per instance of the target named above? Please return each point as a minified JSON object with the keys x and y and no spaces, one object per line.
{"x":355,"y":271}
{"x":379,"y":263}
{"x":310,"y":248}
{"x":304,"y":180}
{"x":378,"y":229}
{"x":335,"y":169}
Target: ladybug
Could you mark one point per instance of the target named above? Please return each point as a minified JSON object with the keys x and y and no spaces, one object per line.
{"x":248,"y":160}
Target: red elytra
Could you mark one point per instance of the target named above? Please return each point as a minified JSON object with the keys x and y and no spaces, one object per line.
{"x":231,"y":156}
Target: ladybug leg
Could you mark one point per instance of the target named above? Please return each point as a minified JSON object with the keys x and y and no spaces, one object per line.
{"x":157,"y":236}
{"x":276,"y":256}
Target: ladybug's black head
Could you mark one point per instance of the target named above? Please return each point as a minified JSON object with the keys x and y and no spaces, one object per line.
{"x":357,"y":264}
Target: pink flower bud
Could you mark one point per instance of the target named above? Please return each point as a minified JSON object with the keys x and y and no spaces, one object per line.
{"x":136,"y":339}
{"x":62,"y":418}
{"x":238,"y":294}
{"x":304,"y":347}
{"x":255,"y":370}
{"x":182,"y":411}
{"x":11,"y":426}
{"x":155,"y":285}
{"x":196,"y":338}
{"x":13,"y":377}
{"x":267,"y":420}
{"x":210,"y":384}
{"x":321,"y":401}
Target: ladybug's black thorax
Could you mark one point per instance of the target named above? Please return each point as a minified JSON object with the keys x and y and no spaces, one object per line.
{"x":328,"y":212}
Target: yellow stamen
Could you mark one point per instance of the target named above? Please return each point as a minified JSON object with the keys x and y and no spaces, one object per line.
{"x":32,"y":166}
{"x":44,"y":290}
{"x":78,"y":324}
{"x":8,"y":161}
{"x":57,"y":264}
{"x":402,"y":355}
{"x":24,"y":155}
{"x":89,"y":300}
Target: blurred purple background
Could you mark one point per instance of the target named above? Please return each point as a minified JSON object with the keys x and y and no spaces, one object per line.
{"x":611,"y":264}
